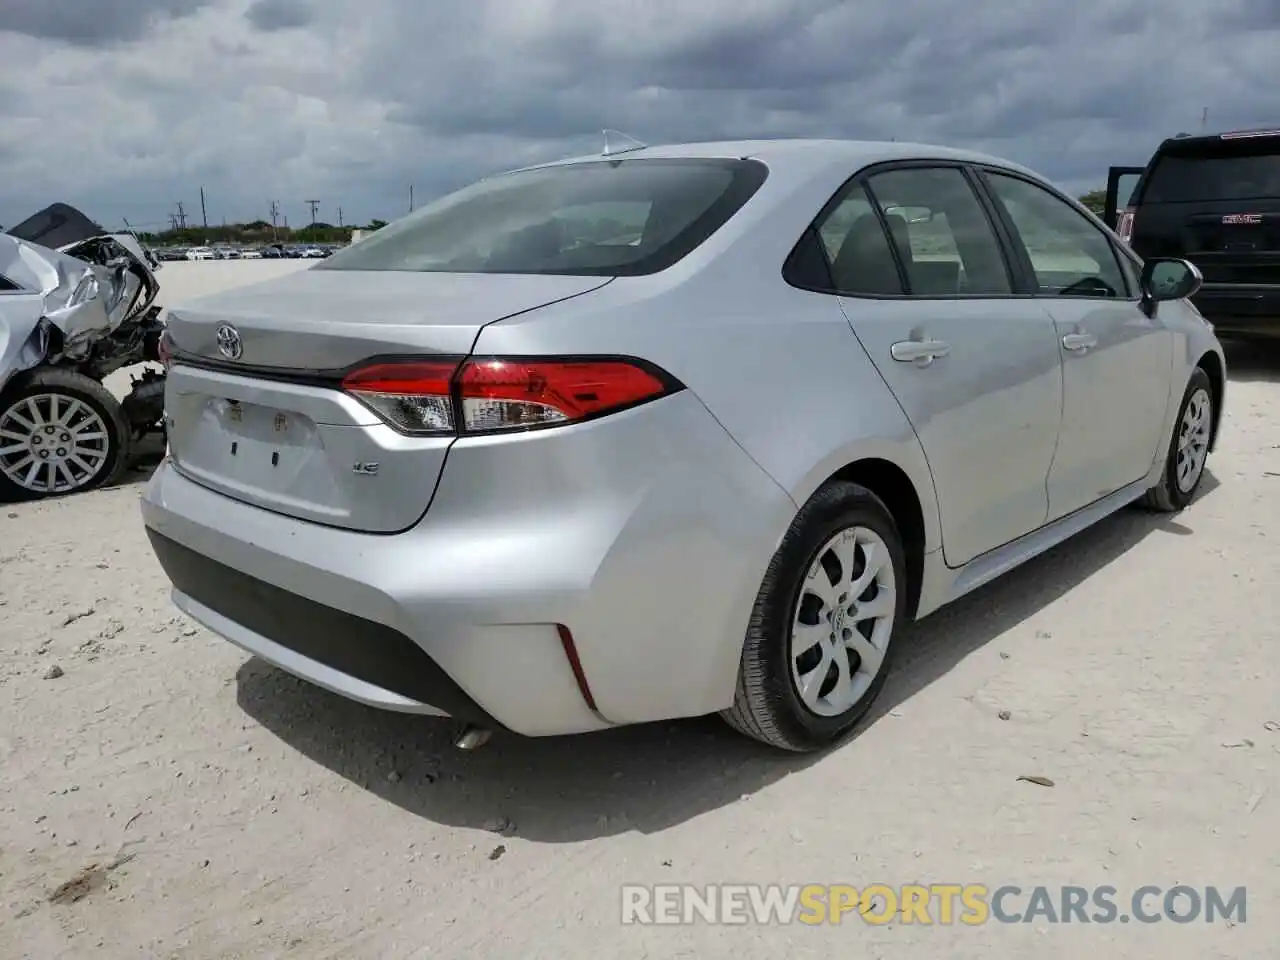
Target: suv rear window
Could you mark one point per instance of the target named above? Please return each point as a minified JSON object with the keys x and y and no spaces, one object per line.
{"x":593,"y":218}
{"x":1244,"y":169}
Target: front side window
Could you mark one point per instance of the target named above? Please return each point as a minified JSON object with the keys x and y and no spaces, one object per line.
{"x":594,"y":218}
{"x":943,"y":236}
{"x":1069,"y":255}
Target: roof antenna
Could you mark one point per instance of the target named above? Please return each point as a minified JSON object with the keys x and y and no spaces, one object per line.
{"x":612,"y":150}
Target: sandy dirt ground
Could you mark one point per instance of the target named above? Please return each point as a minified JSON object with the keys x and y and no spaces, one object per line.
{"x":163,"y":795}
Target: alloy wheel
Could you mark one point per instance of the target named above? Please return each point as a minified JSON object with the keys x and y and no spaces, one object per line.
{"x":843,"y":621}
{"x":1193,"y":440}
{"x":52,"y":443}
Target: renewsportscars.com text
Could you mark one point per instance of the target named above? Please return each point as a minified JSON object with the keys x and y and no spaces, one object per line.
{"x":928,"y":904}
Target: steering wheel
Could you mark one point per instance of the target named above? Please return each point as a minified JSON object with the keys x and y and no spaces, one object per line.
{"x":1088,"y":286}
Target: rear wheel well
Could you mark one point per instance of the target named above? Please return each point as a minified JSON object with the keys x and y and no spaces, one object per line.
{"x":1211,"y":364}
{"x":888,"y":482}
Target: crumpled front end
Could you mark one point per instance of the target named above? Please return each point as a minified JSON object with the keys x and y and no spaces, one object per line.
{"x":79,"y":295}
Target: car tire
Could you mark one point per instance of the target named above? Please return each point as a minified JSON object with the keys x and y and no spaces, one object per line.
{"x":776,"y":701}
{"x":1192,"y":429}
{"x":86,"y":397}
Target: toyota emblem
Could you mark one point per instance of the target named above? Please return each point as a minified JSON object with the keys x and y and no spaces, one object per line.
{"x":229,"y":343}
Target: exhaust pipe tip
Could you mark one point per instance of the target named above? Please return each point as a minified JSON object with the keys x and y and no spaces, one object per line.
{"x":472,"y":738}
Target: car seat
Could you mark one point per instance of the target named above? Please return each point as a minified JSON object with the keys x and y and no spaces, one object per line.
{"x":865,"y":262}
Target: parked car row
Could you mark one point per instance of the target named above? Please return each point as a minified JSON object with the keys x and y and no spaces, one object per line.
{"x":316,"y":251}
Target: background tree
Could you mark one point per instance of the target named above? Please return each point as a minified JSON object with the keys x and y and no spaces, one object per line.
{"x":1095,"y":200}
{"x":256,"y":233}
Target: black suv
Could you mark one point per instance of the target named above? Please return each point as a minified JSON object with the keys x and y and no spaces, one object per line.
{"x":1213,"y":200}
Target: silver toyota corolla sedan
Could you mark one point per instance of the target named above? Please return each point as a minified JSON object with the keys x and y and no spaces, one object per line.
{"x":670,"y":432}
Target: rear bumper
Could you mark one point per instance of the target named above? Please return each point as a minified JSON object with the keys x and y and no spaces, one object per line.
{"x":645,"y":534}
{"x":1240,"y":308}
{"x":359,"y":658}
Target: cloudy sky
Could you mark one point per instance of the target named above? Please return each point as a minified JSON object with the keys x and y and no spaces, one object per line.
{"x":125,"y":107}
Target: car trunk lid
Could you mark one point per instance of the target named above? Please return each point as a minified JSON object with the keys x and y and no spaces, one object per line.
{"x":261,"y":418}
{"x":1237,"y":243}
{"x":1231,"y":242}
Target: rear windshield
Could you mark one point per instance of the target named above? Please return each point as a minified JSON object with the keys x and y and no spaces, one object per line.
{"x":1229,"y":170}
{"x":596,"y":218}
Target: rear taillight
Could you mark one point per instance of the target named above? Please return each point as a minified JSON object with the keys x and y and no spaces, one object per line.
{"x":413,"y":395}
{"x":1124,"y":228}
{"x":493,"y":394}
{"x":164,"y":349}
{"x":497,"y":394}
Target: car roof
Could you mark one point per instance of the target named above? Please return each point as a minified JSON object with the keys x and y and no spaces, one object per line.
{"x":778,"y":154}
{"x":1185,"y":140}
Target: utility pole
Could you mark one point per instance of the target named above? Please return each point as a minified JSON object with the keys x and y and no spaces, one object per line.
{"x":181,"y":216}
{"x":339,"y":216}
{"x":1204,"y":119}
{"x":204,"y":214}
{"x":411,"y":198}
{"x":314,"y":205}
{"x":275,"y":219}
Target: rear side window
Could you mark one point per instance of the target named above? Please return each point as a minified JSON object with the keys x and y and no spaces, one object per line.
{"x":939,"y":239}
{"x":943,"y":236}
{"x":857,"y":248}
{"x":595,"y":218}
{"x":1246,"y":169}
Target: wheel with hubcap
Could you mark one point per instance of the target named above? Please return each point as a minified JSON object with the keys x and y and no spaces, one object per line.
{"x":1188,"y":448}
{"x":60,"y":432}
{"x":819,"y":643}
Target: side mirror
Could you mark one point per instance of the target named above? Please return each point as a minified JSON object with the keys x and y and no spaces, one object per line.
{"x":911,"y":214}
{"x":1167,"y":278}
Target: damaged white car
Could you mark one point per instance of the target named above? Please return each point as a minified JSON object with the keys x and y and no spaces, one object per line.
{"x":76,"y":304}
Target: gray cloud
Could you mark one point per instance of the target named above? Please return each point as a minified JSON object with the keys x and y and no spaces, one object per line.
{"x":272,"y":15}
{"x":90,"y":24}
{"x":371,"y":97}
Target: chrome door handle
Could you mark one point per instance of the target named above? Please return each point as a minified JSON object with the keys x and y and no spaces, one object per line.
{"x":1079,"y":342}
{"x":920,"y":352}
